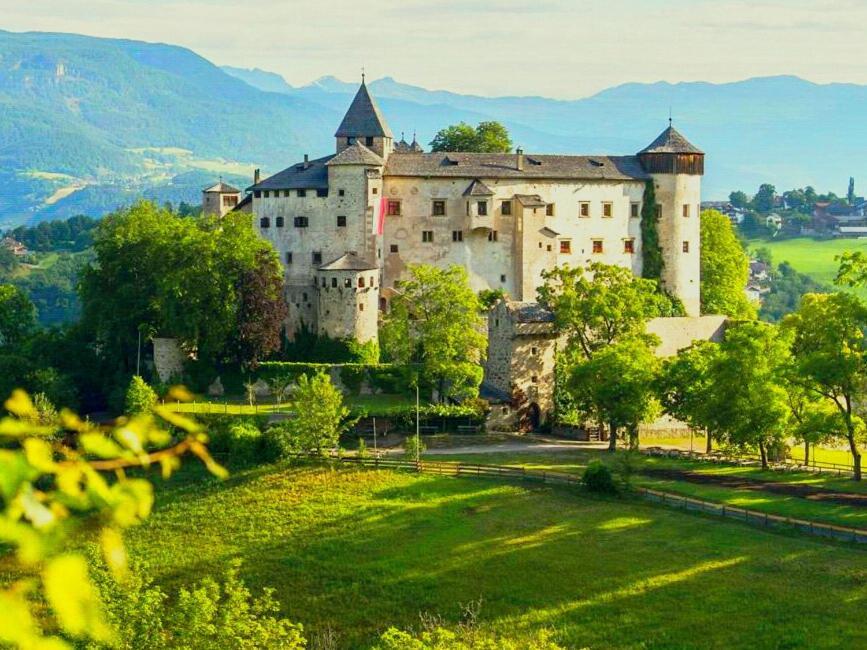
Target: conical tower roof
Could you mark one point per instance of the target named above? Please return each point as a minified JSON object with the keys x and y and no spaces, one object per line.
{"x":671,"y":141}
{"x":363,"y":119}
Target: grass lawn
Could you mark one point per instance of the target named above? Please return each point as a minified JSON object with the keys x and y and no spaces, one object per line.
{"x":356,"y":551}
{"x":778,"y":504}
{"x":812,"y":257}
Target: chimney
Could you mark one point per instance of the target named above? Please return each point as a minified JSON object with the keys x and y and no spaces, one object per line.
{"x":257,"y":175}
{"x":519,"y":159}
{"x":306,"y":161}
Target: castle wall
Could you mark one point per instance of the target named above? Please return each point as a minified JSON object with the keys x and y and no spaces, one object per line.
{"x":681,"y":332}
{"x":348,"y":311}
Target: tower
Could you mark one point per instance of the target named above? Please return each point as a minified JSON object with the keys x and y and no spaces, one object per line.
{"x":364,"y":124}
{"x":348,"y":298}
{"x":220,"y":199}
{"x":676,"y":167}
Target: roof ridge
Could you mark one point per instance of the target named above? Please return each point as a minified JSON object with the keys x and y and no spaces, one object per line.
{"x":363,"y":118}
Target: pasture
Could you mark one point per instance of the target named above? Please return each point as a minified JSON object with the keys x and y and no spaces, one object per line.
{"x":816,"y":258}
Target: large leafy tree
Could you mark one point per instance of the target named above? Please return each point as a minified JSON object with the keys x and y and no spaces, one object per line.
{"x":312,"y":430}
{"x":724,"y":269}
{"x":596,"y":306}
{"x":487,"y":137}
{"x":763,"y":201}
{"x":434,"y":322}
{"x":615,"y":386}
{"x":17,"y":315}
{"x":182,"y":278}
{"x":830,"y":357}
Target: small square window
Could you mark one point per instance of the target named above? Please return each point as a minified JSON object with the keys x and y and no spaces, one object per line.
{"x":341,"y":221}
{"x":686,"y":209}
{"x":457,"y":235}
{"x":267,"y":194}
{"x":686,"y":247}
{"x":549,"y":210}
{"x":438,"y":209}
{"x":506,"y":208}
{"x":548,"y":248}
{"x":658,"y":211}
{"x":635,"y":210}
{"x":393,"y":208}
{"x":565,"y":246}
{"x":597,"y":246}
{"x":502,"y":278}
{"x":322,"y":193}
{"x":607,"y":209}
{"x":482,"y":208}
{"x":393,"y":248}
{"x":360,"y":306}
{"x":341,"y":192}
{"x":493,"y":235}
{"x":333,"y":283}
{"x":317,"y":257}
{"x":584,"y":209}
{"x":264,"y":222}
{"x":257,"y":194}
{"x":279,"y":221}
{"x":427,"y":236}
{"x":301,"y":222}
{"x":534,"y":350}
{"x":368,"y":141}
{"x":347,"y":282}
{"x":534,"y":379}
{"x":289,"y":258}
{"x":302,"y":193}
{"x":374,"y":190}
{"x":629,"y":246}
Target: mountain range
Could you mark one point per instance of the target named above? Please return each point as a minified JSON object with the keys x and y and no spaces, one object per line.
{"x":89,"y":123}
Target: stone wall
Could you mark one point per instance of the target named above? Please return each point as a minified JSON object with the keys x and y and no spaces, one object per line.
{"x":681,"y":332}
{"x":168,"y":359}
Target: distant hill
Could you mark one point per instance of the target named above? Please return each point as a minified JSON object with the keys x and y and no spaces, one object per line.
{"x":89,"y":123}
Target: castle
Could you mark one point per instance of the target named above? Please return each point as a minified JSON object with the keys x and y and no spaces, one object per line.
{"x":347,"y":225}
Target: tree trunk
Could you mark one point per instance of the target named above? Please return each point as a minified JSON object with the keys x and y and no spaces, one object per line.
{"x":807,"y":453}
{"x":856,"y":457}
{"x":612,"y":437}
{"x":764,"y":454}
{"x":633,"y":438}
{"x":709,"y":447}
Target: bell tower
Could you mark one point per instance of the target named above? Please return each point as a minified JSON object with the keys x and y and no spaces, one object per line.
{"x":364,"y":124}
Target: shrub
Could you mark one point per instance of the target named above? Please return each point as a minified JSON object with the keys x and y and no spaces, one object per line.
{"x":140,"y":398}
{"x":362,"y":452}
{"x":245,"y":443}
{"x":439,"y":638}
{"x":412,"y":446}
{"x":598,"y":478}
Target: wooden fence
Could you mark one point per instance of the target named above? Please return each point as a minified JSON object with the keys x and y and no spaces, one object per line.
{"x":514,"y":472}
{"x":748,"y":461}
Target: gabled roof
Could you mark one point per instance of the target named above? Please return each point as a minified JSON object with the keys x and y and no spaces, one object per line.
{"x":356,"y":154}
{"x":349,"y":262}
{"x":531,"y":200}
{"x":529,"y":312}
{"x":312,"y":175}
{"x":363,"y":118}
{"x":502,"y":165}
{"x":222,"y":188}
{"x":478,"y":188}
{"x":671,"y":141}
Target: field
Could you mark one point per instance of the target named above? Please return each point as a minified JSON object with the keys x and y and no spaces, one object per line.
{"x":812,"y":257}
{"x":354,"y":551}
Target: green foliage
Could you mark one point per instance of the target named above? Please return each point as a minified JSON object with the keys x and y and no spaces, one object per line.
{"x":47,"y":485}
{"x":434,"y":322}
{"x":490,"y":297}
{"x":787,"y":287}
{"x":413,"y":447}
{"x":651,"y":251}
{"x":739,"y":199}
{"x":724,"y":269}
{"x":17,"y":316}
{"x":309,"y":347}
{"x":685,"y":384}
{"x":487,"y":137}
{"x":352,"y":377}
{"x":763,"y":201}
{"x":212,"y":614}
{"x":312,"y":430}
{"x":140,"y":397}
{"x":596,"y":306}
{"x":439,"y":638}
{"x":599,"y":478}
{"x":74,"y":234}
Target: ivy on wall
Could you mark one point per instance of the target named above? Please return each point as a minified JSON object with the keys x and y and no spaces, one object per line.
{"x":651,"y":252}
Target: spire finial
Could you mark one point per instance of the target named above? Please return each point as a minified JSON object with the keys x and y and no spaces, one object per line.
{"x":669,"y":116}
{"x":362,"y":75}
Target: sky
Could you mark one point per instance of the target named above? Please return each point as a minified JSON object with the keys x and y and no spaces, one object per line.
{"x":556,"y":48}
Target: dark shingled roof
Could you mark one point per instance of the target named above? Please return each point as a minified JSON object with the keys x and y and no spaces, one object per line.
{"x":313,"y":176}
{"x":530,"y":312}
{"x":493,"y":394}
{"x":349,"y":262}
{"x":502,"y":165}
{"x":531,"y":200}
{"x":671,"y":141}
{"x":243,"y":203}
{"x":478,"y":188}
{"x":223,"y":188}
{"x":356,"y":154}
{"x":363,"y":118}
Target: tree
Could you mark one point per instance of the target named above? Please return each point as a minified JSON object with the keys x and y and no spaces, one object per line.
{"x":850,"y":195}
{"x":813,"y":419}
{"x":434,"y":322}
{"x":313,"y":430}
{"x":725,"y":269}
{"x":747,"y":402}
{"x":17,"y":316}
{"x":140,"y":398}
{"x":262,"y":310}
{"x":739,"y":199}
{"x":595,"y":307}
{"x":614,"y":387}
{"x":787,"y":286}
{"x":684,"y":386}
{"x":830,"y":357}
{"x":487,"y":137}
{"x":763,"y":201}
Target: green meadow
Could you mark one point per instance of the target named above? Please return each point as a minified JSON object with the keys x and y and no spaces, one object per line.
{"x":352,"y":551}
